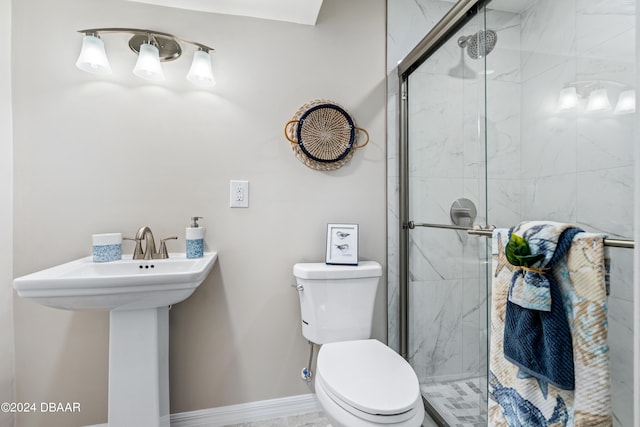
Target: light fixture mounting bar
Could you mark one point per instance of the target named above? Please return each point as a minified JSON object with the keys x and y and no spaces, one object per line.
{"x":168,"y":49}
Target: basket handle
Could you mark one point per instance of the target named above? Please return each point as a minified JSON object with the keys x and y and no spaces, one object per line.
{"x":365,"y":132}
{"x":286,"y":134}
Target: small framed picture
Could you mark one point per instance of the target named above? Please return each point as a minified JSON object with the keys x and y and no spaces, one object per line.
{"x":342,"y":244}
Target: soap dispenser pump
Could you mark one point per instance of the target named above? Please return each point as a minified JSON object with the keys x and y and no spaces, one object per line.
{"x":194,"y":236}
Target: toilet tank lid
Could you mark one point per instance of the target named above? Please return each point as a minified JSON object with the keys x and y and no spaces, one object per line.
{"x":320,"y":270}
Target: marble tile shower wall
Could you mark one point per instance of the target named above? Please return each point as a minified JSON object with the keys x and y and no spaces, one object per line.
{"x":578,"y":167}
{"x":447,"y":161}
{"x":450,"y":165}
{"x":408,"y":21}
{"x":439,"y":110}
{"x":542,"y":164}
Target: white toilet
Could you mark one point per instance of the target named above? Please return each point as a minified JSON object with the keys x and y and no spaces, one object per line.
{"x":359,"y":382}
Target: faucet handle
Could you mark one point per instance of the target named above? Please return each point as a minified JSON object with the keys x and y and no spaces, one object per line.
{"x":137,"y":252}
{"x":162,"y":252}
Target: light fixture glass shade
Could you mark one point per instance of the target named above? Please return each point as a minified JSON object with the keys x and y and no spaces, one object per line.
{"x":626,"y":102}
{"x":93,"y":58}
{"x":598,"y":101}
{"x":201,"y":73}
{"x":568,"y":99}
{"x":148,"y":64}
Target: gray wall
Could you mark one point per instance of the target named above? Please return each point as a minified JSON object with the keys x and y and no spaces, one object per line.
{"x":97,"y":155}
{"x":7,"y":393}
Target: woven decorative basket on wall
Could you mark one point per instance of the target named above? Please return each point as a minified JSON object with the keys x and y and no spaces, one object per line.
{"x":323,"y":135}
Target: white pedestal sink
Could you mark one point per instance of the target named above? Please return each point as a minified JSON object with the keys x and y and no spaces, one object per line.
{"x":137,"y":294}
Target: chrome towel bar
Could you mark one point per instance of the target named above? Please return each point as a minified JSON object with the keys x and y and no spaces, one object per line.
{"x":488,"y":232}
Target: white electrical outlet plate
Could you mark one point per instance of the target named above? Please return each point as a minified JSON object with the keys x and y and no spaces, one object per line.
{"x":238,"y":194}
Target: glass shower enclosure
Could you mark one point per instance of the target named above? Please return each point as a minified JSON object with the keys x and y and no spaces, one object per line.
{"x":509,"y":111}
{"x":444,"y":177}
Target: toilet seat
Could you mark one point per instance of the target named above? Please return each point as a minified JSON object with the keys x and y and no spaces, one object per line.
{"x":369,"y":380}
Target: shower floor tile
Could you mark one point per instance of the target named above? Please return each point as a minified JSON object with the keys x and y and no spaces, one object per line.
{"x":459,"y":403}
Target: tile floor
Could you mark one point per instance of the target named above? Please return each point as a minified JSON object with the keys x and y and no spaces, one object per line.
{"x":460,"y":403}
{"x":316,"y":419}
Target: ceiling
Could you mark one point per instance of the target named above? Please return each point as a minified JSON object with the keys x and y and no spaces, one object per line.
{"x":297,"y":11}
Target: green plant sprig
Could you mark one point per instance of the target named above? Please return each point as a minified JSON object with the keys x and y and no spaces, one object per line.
{"x":518,"y":252}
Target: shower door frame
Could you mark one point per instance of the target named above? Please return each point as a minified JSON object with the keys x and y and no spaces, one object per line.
{"x":461,"y":13}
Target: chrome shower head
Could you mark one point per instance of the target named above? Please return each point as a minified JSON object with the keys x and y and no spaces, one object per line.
{"x":479,"y":44}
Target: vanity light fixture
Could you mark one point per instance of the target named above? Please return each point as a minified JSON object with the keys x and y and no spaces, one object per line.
{"x":152,"y":48}
{"x":148,"y":63}
{"x":93,"y":58}
{"x":200,"y":72}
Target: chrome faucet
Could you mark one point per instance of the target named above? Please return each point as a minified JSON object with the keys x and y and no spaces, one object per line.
{"x":144,"y":233}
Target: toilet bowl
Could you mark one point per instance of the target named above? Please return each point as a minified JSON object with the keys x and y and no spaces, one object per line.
{"x":359,"y":382}
{"x":364,"y":383}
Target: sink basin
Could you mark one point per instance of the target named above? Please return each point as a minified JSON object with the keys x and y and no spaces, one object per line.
{"x":126,"y":284}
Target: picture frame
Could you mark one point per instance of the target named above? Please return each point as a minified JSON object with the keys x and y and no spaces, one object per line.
{"x":342,"y":244}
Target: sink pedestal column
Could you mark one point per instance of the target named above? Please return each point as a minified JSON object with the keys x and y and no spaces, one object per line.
{"x":139,"y":367}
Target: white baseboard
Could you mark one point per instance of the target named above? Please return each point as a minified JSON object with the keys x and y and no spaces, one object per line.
{"x":245,"y":412}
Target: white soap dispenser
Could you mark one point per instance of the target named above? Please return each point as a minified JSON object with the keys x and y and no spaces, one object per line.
{"x":194,"y":236}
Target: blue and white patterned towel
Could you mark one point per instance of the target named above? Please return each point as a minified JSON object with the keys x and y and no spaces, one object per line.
{"x":531,"y":289}
{"x":519,"y":400}
{"x":537,"y":337}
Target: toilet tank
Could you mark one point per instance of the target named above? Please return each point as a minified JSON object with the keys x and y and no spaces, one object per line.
{"x":336,"y":301}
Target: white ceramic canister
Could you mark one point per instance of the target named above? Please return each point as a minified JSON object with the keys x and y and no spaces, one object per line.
{"x":107,"y":247}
